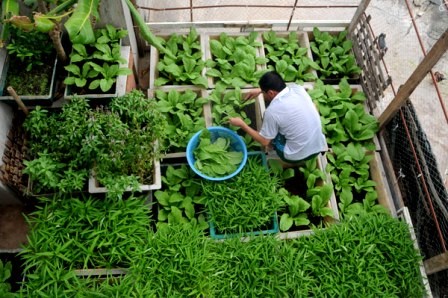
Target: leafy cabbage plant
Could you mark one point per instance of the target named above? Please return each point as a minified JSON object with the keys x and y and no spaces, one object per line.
{"x":287,"y":57}
{"x":350,"y":172}
{"x":186,"y":67}
{"x":333,"y":55}
{"x":343,"y":116}
{"x":230,"y":103}
{"x":235,"y":60}
{"x":184,"y":115}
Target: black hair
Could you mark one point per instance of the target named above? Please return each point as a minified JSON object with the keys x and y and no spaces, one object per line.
{"x":271,"y":81}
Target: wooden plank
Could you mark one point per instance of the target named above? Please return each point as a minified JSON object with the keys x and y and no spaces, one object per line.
{"x":100,"y":272}
{"x":358,"y":14}
{"x":378,"y":175}
{"x":267,"y":24}
{"x":436,"y":264}
{"x":390,"y":173}
{"x":433,"y":56}
{"x":406,"y":216}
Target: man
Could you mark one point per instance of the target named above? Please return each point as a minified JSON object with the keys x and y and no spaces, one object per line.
{"x":291,"y":122}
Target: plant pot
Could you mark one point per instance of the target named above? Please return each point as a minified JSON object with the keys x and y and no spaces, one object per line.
{"x":95,"y":187}
{"x":118,"y":89}
{"x":208,"y":55}
{"x":154,"y":73}
{"x":28,"y":99}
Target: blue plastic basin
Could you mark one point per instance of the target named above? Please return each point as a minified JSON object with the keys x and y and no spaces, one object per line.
{"x":236,"y":143}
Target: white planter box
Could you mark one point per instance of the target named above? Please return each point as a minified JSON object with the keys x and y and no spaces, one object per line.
{"x":95,"y":187}
{"x":120,"y":84}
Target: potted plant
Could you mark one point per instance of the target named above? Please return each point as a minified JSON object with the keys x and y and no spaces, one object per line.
{"x":118,"y":142}
{"x":308,"y":197}
{"x":333,"y":54}
{"x":34,"y":64}
{"x":289,"y":54}
{"x":94,"y":68}
{"x":234,"y":60}
{"x":187,"y":68}
{"x":180,"y":199}
{"x":349,"y":167}
{"x":187,"y":111}
{"x":124,"y":143}
{"x":343,"y":114}
{"x":56,"y":159}
{"x":71,"y":234}
{"x":230,"y":103}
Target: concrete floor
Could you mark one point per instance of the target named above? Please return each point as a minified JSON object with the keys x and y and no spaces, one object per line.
{"x":388,"y":16}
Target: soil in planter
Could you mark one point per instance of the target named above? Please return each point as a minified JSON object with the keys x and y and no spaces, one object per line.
{"x":297,"y":186}
{"x":37,"y":81}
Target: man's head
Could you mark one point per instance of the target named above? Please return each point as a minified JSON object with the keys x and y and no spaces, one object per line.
{"x":271,"y":83}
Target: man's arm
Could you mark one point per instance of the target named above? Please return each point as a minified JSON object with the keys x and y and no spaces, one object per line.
{"x":252,"y":132}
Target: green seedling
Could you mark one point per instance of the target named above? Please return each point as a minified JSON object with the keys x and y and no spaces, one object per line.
{"x":333,"y":54}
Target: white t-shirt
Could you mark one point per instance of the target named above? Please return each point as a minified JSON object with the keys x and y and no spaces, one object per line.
{"x":293,"y":114}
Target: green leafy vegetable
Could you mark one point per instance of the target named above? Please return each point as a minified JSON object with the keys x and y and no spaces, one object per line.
{"x":187,"y":66}
{"x":333,"y":55}
{"x":343,"y":115}
{"x":216,"y":158}
{"x":234,"y":61}
{"x":184,"y":113}
{"x":180,"y":198}
{"x":287,"y":58}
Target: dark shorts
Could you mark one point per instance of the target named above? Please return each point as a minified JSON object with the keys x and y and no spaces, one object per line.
{"x":279,"y":146}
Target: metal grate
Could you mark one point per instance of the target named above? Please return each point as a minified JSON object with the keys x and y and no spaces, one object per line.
{"x":368,"y":53}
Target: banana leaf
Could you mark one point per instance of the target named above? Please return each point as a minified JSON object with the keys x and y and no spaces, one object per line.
{"x":79,"y":25}
{"x":146,"y":33}
{"x":9,"y":8}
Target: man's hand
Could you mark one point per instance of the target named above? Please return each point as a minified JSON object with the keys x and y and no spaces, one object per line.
{"x":252,"y":94}
{"x":237,"y":121}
